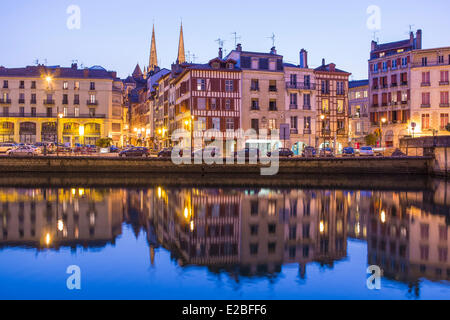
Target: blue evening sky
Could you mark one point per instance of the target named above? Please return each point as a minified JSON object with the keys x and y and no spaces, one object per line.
{"x":117,"y":34}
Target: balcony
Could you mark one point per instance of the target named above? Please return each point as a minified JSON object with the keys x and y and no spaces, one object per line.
{"x":76,"y":102}
{"x":294,"y":131}
{"x":32,"y":101}
{"x":5,"y":101}
{"x":425,"y":84}
{"x":384,"y":86}
{"x":375,"y":87}
{"x":404,"y":84}
{"x":444,"y":105}
{"x":293,"y":107}
{"x":254,"y":88}
{"x":326,"y":132}
{"x":341,"y":132}
{"x":65,"y":102}
{"x":21,"y":101}
{"x":307,"y":107}
{"x":375,"y":105}
{"x":301,"y":86}
{"x":307,"y":131}
{"x":273,"y":109}
{"x":425,"y":105}
{"x":444,"y":83}
{"x":49,"y":102}
{"x":340,"y":93}
{"x":404,"y":103}
{"x":92,"y":103}
{"x":394,"y":85}
{"x":273,"y":89}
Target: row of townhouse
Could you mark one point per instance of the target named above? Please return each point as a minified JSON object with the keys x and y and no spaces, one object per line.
{"x":409,"y":89}
{"x":245,"y":90}
{"x":56,"y":104}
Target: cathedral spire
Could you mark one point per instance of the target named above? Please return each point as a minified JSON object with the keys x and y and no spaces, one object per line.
{"x":153,"y":62}
{"x":181,"y":55}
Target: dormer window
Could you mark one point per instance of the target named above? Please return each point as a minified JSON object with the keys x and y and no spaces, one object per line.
{"x":215,"y":65}
{"x":230,"y":66}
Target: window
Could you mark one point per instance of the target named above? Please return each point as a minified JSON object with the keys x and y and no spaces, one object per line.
{"x":213,"y":104}
{"x":443,"y":233}
{"x":425,"y":78}
{"x":426,"y":99}
{"x":444,"y":99}
{"x":255,"y":63}
{"x":307,"y":123}
{"x":228,"y":104}
{"x":92,"y":86}
{"x":440,"y":59}
{"x":5,"y":84}
{"x":92,"y":112}
{"x":229,"y":86}
{"x":272,"y":65}
{"x":22,"y":111}
{"x":273,"y":105}
{"x":92,"y":99}
{"x":230,"y":124}
{"x":201,"y":84}
{"x":424,"y":253}
{"x":33,"y":98}
{"x":77,"y":112}
{"x":444,"y":77}
{"x":340,"y":106}
{"x":404,"y":61}
{"x":22,"y":85}
{"x":33,"y":111}
{"x":65,"y":111}
{"x":293,"y":80}
{"x":385,"y":66}
{"x":201,"y":104}
{"x":21,"y":98}
{"x":254,"y":85}
{"x":425,"y":122}
{"x":33,"y":84}
{"x":325,"y":106}
{"x":65,"y":99}
{"x":216,"y":124}
{"x":201,"y":124}
{"x":325,"y":86}
{"x":272,"y":124}
{"x":424,"y":61}
{"x":77,"y":85}
{"x":255,"y":104}
{"x":375,"y":67}
{"x":307,"y":101}
{"x":273,"y":86}
{"x":65,"y":85}
{"x":444,"y":120}
{"x":394,"y":64}
{"x":49,"y":112}
{"x":293,"y":99}
{"x":5,"y":112}
{"x":255,"y":124}
{"x":294,"y":123}
{"x":76,"y":99}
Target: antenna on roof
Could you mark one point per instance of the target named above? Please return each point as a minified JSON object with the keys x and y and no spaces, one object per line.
{"x":194,"y":57}
{"x":236,"y":38}
{"x":220,"y":42}
{"x":411,"y":29}
{"x":273,"y":39}
{"x":36,"y":62}
{"x":375,"y":38}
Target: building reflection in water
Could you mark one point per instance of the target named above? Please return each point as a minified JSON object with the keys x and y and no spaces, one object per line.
{"x":243,"y":232}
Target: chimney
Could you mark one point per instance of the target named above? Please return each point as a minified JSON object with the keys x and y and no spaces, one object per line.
{"x":220,"y":53}
{"x":74,"y":66}
{"x":323,"y":62}
{"x":332,"y":67}
{"x":239,"y":47}
{"x":273,"y":50}
{"x":419,"y":39}
{"x":374,"y":45}
{"x":411,"y":38}
{"x":303,"y":59}
{"x":86,"y":73}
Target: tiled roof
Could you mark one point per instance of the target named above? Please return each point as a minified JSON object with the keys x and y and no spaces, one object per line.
{"x":358,"y":83}
{"x":326,"y":68}
{"x":57,"y":72}
{"x":392,"y":45}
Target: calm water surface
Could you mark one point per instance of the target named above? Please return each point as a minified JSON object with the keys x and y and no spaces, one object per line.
{"x":163,"y":242}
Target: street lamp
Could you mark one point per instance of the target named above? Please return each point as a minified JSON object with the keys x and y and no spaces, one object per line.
{"x":383,"y":121}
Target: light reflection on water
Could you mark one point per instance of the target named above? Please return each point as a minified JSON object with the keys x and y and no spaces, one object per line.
{"x":224,"y":243}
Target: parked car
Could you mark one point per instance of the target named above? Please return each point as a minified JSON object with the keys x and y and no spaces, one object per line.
{"x":5,"y":147}
{"x":23,"y":151}
{"x":165,"y":153}
{"x":327,"y":152}
{"x":366,"y":152}
{"x":348,"y":152}
{"x":207,"y":153}
{"x":247,"y":153}
{"x":309,"y":152}
{"x":114,"y":149}
{"x":283,"y":153}
{"x":135,"y":152}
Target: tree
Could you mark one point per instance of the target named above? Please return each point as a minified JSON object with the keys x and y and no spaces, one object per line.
{"x":104,"y":142}
{"x":371,"y":140}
